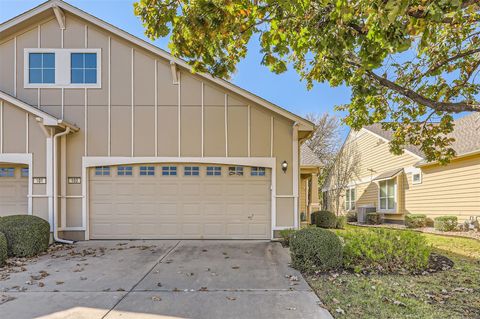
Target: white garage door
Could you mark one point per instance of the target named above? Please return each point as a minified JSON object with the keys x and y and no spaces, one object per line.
{"x":13,"y":190}
{"x":179,"y":201}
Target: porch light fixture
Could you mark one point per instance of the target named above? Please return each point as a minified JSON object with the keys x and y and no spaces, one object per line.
{"x":284,"y":166}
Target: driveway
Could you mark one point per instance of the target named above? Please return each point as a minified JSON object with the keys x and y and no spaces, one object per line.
{"x":159,"y":279}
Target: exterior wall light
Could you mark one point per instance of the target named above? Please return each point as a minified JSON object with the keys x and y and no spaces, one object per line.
{"x":284,"y":166}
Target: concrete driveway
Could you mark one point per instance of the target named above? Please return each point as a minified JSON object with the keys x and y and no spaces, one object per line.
{"x":159,"y":279}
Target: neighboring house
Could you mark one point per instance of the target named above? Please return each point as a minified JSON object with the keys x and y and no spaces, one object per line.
{"x":310,"y":166}
{"x":407,"y":184}
{"x":107,"y":136}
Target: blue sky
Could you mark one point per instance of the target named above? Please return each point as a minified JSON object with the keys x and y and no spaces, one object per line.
{"x":285,"y":90}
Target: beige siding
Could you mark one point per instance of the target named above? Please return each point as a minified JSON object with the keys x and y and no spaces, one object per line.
{"x":446,"y":190}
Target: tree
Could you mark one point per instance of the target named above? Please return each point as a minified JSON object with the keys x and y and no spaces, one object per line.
{"x":341,"y":172}
{"x":407,"y":62}
{"x":326,"y":140}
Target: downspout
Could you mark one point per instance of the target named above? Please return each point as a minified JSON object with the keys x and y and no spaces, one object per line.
{"x":55,"y":187}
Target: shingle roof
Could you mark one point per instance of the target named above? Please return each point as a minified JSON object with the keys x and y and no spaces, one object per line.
{"x":466,"y":135}
{"x":308,"y":157}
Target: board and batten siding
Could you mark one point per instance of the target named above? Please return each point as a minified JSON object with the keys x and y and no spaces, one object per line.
{"x":137,"y":112}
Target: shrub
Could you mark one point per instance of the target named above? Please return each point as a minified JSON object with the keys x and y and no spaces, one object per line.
{"x":3,"y":249}
{"x":374,"y":218}
{"x":26,"y":235}
{"x":351,"y":217}
{"x":445,"y":223}
{"x":326,"y":219}
{"x":341,"y":222}
{"x":385,"y":250}
{"x":313,"y":218}
{"x":286,"y":234}
{"x":315,"y":249}
{"x":415,"y":221}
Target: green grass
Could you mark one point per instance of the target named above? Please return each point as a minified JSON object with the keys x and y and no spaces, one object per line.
{"x":448,"y":294}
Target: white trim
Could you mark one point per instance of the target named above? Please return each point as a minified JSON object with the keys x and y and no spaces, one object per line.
{"x":86,"y":123}
{"x":15,"y":66}
{"x":60,"y":16}
{"x":63,"y":181}
{"x":179,"y":113}
{"x":395,"y":194}
{"x":419,"y":181}
{"x":27,"y":128}
{"x":203,"y":120}
{"x":92,"y":161}
{"x":271,"y":136}
{"x":296,"y":177}
{"x":226,"y":125}
{"x":282,"y":228}
{"x":133,"y":105}
{"x":156,"y":107}
{"x":62,"y":68}
{"x":71,"y":228}
{"x":49,"y":173}
{"x":22,"y":158}
{"x":1,"y":126}
{"x":306,"y":125}
{"x":386,"y":140}
{"x":349,"y":189}
{"x":248,"y":131}
{"x":109,"y":151}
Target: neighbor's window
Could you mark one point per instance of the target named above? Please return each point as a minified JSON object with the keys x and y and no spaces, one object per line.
{"x":7,"y":172}
{"x":417,"y":178}
{"x":387,"y":194}
{"x":235,"y":171}
{"x":214,"y":170}
{"x":350,"y":199}
{"x":102,"y":171}
{"x":24,"y":172}
{"x":257,"y":171}
{"x":125,"y":171}
{"x":147,"y":170}
{"x":191,"y":171}
{"x":83,"y":68}
{"x":41,"y":68}
{"x":169,"y":170}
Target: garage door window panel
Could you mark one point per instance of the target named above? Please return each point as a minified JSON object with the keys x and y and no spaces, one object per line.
{"x":169,"y":171}
{"x":102,"y":171}
{"x":24,"y":172}
{"x":235,"y":171}
{"x":257,"y":171}
{"x":7,"y":172}
{"x":125,"y":171}
{"x":214,"y":171}
{"x":191,"y":171}
{"x":147,"y":170}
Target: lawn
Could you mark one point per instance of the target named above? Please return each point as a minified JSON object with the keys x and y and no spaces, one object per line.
{"x":454,"y":293}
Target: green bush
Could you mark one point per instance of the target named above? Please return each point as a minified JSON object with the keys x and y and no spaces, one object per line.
{"x":326,"y":219}
{"x":3,"y":249}
{"x":341,"y":222}
{"x":351,"y":217}
{"x":445,"y":223}
{"x":415,"y":221}
{"x":26,"y":235}
{"x":374,"y":219}
{"x":313,"y":218}
{"x":315,"y":249}
{"x":384,"y":250}
{"x":286,"y":234}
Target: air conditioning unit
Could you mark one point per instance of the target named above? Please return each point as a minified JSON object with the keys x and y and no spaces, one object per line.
{"x":362,"y":213}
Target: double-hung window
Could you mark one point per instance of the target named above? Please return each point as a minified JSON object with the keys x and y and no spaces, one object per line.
{"x":350,"y":199}
{"x":41,"y":68}
{"x":83,"y":68}
{"x":214,"y":170}
{"x":387,"y":194}
{"x":169,"y":170}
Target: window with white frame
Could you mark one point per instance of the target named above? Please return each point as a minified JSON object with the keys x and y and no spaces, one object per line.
{"x":102,"y":171}
{"x":7,"y":171}
{"x":214,"y":170}
{"x":257,"y":171}
{"x":350,"y":198}
{"x":62,"y":68}
{"x":169,"y":170}
{"x":387,"y":194}
{"x":191,"y":171}
{"x":41,"y":68}
{"x":147,"y":170}
{"x":24,"y":172}
{"x":417,"y":178}
{"x":124,"y":170}
{"x":235,"y":170}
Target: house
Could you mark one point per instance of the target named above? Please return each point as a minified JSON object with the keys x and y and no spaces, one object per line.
{"x":107,"y":136}
{"x":310,"y":167}
{"x":407,"y":183}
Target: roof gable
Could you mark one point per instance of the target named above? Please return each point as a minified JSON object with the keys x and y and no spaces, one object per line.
{"x":303,"y":124}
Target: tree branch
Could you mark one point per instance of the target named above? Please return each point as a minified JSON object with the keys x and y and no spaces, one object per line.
{"x":453,"y":58}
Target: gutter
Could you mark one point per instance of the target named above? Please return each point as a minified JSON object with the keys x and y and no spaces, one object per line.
{"x":423,"y":164}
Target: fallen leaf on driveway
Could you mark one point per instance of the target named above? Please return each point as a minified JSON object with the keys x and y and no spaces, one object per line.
{"x":59,"y":282}
{"x":159,"y":284}
{"x":120,"y":289}
{"x":231,"y":298}
{"x":291,"y":308}
{"x":203,"y":289}
{"x":83,"y":278}
{"x":235,"y":267}
{"x":156,"y":298}
{"x":5,"y":298}
{"x":41,"y":284}
{"x":204,"y":250}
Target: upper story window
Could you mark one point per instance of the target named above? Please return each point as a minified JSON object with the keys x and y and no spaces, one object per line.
{"x":125,"y":171}
{"x":102,"y":171}
{"x":350,"y":199}
{"x":417,"y":178}
{"x":41,"y":68}
{"x":147,"y":170}
{"x":235,"y":171}
{"x":169,"y":170}
{"x":214,"y":170}
{"x":257,"y":171}
{"x":83,"y":68}
{"x":387,"y":194}
{"x":62,"y":68}
{"x":7,"y":171}
{"x":191,"y":171}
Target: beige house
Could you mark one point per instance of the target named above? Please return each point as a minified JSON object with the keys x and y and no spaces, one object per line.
{"x":310,"y":166}
{"x":107,"y":136}
{"x":407,"y":184}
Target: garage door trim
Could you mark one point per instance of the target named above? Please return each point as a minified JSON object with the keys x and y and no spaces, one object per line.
{"x":26,"y":159}
{"x":88,"y":162}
